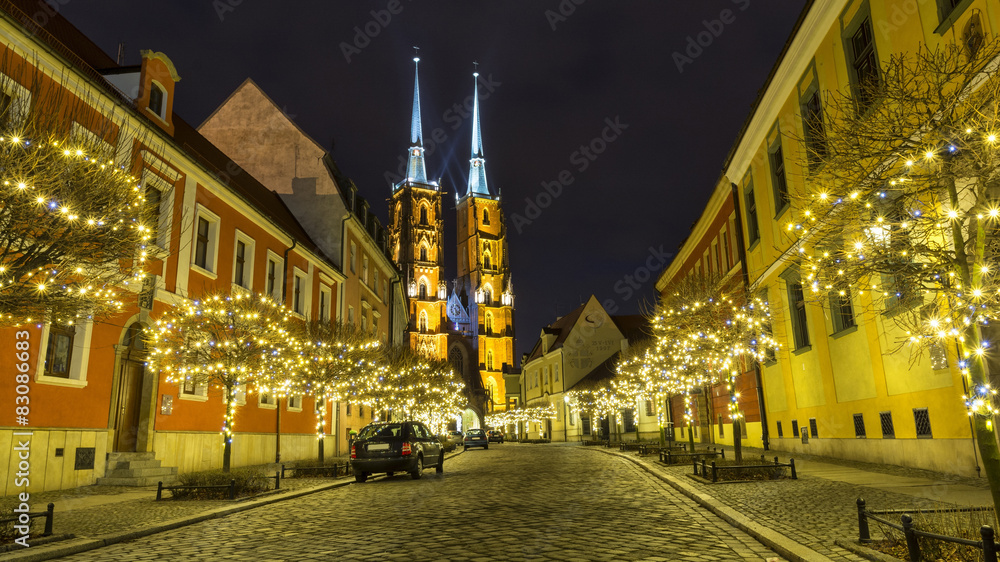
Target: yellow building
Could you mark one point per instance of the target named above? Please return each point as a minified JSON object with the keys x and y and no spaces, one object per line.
{"x":836,"y":387}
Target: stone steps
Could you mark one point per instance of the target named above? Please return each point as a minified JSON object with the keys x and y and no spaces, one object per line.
{"x":136,"y":469}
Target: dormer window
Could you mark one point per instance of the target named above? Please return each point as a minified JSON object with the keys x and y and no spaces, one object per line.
{"x":158,"y":100}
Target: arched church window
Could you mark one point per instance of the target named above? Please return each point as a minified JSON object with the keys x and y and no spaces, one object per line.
{"x":489,"y":323}
{"x":488,"y":295}
{"x":423,"y":253}
{"x":423,"y":215}
{"x":487,"y":264}
{"x":422,"y":325}
{"x":457,"y":361}
{"x":489,"y":360}
{"x":486,"y":216}
{"x":423,"y":290}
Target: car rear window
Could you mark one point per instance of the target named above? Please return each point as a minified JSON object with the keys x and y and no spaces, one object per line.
{"x":382,"y":431}
{"x":476,"y":432}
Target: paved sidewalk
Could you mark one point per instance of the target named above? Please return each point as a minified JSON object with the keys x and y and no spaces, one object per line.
{"x":92,"y":516}
{"x":819,"y":508}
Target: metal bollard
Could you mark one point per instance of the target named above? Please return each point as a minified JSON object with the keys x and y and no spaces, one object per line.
{"x":695,"y":461}
{"x":864,"y":535}
{"x":723,"y":454}
{"x":232,"y":489}
{"x":277,"y":480}
{"x":989,"y":544}
{"x":791,"y":463}
{"x":159,"y":490}
{"x":282,"y":470}
{"x":51,"y":508}
{"x":715,"y":473}
{"x":776,"y":461}
{"x":911,"y":538}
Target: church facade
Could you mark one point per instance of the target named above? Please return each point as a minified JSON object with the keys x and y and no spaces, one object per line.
{"x":469,"y":321}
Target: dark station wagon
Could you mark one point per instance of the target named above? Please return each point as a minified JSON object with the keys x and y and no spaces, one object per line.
{"x":392,"y":447}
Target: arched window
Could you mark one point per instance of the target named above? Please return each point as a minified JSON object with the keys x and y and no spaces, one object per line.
{"x":489,"y":323}
{"x":423,"y":290}
{"x":457,"y":361}
{"x":423,"y":253}
{"x":489,"y":360}
{"x":423,"y":215}
{"x":486,"y":217}
{"x":488,"y":295}
{"x":423,"y":322}
{"x":492,"y":390}
{"x":157,"y":99}
{"x":486,"y":262}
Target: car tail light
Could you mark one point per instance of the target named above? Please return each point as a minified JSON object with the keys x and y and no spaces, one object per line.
{"x":354,"y":453}
{"x":406,"y":449}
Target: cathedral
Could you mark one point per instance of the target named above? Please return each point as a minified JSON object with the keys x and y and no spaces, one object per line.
{"x":470,"y":321}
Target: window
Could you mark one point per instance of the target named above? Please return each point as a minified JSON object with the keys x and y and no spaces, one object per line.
{"x":945,"y":9}
{"x":555,"y":372}
{"x":266,"y":400}
{"x":422,"y":291}
{"x":361,"y":411}
{"x":423,"y":253}
{"x":923,"y":422}
{"x":364,"y":269}
{"x":375,"y":280}
{"x":206,"y":240}
{"x":753,"y":230}
{"x":488,"y":296}
{"x":813,"y":427}
{"x":812,"y":124}
{"x":486,"y":262}
{"x":201,"y":249}
{"x":157,"y":100}
{"x":423,"y":322}
{"x":795,"y":428}
{"x":489,"y":360}
{"x":350,"y":315}
{"x":859,"y":426}
{"x":797,"y":309}
{"x":489,"y":323}
{"x":325,"y":294}
{"x":628,"y":421}
{"x":725,"y":251}
{"x":781,"y":433}
{"x":842,"y":310}
{"x":486,"y":217}
{"x":298,"y":298}
{"x":385,"y":291}
{"x":348,"y":408}
{"x":715,"y":258}
{"x":778,"y":181}
{"x":423,"y":215}
{"x":59,"y":352}
{"x":243,"y":261}
{"x":888,"y":431}
{"x":863,"y":63}
{"x":294,"y":403}
{"x":354,"y":258}
{"x":272,"y":272}
{"x":649,"y":407}
{"x":151,"y":212}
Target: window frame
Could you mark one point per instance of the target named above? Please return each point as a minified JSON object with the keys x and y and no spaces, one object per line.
{"x":838,"y":304}
{"x":211,"y":267}
{"x":250,"y":247}
{"x":301,"y":292}
{"x":797,"y":310}
{"x":779,"y":177}
{"x":279,"y":268}
{"x":325,"y":298}
{"x":161,"y":112}
{"x":862,"y":19}
{"x":751,"y":215}
{"x":78,"y":360}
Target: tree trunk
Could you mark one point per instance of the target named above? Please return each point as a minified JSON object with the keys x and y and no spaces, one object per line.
{"x":985,"y":436}
{"x":737,"y":441}
{"x":227,"y":427}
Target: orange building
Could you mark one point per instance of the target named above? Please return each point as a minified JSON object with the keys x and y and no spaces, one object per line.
{"x":219,"y":229}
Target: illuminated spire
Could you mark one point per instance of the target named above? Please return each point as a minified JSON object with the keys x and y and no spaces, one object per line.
{"x":477,"y":165}
{"x":416,"y":171}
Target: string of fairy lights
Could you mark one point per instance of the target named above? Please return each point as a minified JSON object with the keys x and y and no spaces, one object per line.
{"x":248,"y":342}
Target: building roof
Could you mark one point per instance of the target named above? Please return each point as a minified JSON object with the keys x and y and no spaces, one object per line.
{"x":561,"y":329}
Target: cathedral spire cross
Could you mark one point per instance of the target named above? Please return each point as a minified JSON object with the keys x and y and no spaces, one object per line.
{"x":477,"y":165}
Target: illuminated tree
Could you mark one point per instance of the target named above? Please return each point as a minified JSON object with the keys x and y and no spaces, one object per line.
{"x":222,"y":341}
{"x":74,"y":223}
{"x":338,"y":354}
{"x":903,"y":210}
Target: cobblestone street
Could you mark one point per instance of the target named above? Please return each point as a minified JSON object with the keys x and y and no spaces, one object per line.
{"x":511,"y":502}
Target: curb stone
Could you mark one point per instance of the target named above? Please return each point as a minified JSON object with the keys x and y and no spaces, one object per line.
{"x":60,"y":549}
{"x":774,"y":540}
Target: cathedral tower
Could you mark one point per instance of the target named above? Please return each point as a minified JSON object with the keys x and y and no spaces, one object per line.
{"x":416,"y":239}
{"x":484,"y":283}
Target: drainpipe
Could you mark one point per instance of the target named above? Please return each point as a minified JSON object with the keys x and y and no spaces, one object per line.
{"x":758,"y":381}
{"x":277,"y":400}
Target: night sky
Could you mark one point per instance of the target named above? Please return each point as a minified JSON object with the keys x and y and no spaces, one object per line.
{"x":554,"y":74}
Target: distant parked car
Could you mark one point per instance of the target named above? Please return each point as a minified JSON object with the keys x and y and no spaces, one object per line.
{"x":476,"y":438}
{"x":395,"y":447}
{"x":446,"y":443}
{"x":495,"y":436}
{"x":456,"y":437}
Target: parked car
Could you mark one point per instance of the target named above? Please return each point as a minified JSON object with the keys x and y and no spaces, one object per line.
{"x":476,"y":438}
{"x":495,"y":436}
{"x":446,"y":443}
{"x":392,"y":447}
{"x":456,"y":437}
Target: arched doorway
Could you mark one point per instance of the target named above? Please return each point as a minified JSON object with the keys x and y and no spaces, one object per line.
{"x":128,"y":396}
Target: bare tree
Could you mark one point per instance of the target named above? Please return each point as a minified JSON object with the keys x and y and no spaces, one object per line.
{"x":74,"y":222}
{"x":902,"y":214}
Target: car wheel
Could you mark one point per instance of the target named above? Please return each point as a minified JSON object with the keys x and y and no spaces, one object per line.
{"x":440,"y":466}
{"x":486,"y":446}
{"x":466,"y":448}
{"x":418,"y":469}
{"x":360,"y":476}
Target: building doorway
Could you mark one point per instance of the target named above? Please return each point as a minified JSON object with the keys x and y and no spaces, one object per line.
{"x":128,"y":397}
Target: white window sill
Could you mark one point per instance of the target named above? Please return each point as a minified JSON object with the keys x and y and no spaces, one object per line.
{"x":156,"y":251}
{"x":203,"y":271}
{"x":237,"y":288}
{"x":290,"y":409}
{"x":59,"y":381}
{"x":264,"y":406}
{"x":298,"y":315}
{"x":193,"y":397}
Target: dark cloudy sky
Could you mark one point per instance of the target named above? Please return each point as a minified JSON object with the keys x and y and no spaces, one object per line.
{"x":559,"y":70}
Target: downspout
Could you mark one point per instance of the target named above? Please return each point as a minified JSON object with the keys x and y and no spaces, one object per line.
{"x":758,"y":381}
{"x":277,"y":400}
